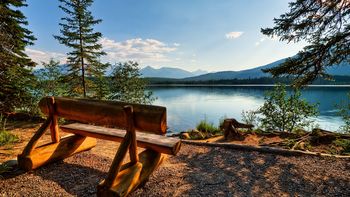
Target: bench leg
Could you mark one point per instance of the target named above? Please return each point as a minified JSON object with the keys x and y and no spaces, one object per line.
{"x":51,"y":152}
{"x":131,"y":176}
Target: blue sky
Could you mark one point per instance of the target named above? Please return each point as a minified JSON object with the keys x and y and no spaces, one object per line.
{"x":211,"y":35}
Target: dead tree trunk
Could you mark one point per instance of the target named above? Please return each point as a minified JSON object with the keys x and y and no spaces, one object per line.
{"x":230,"y":128}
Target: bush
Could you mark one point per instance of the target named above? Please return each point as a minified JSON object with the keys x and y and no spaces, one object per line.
{"x":205,"y":126}
{"x":285,"y":112}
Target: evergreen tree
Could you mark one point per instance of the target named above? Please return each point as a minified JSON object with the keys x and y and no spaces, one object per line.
{"x":15,"y":65}
{"x":78,"y":34}
{"x":325,"y":26}
{"x":128,"y":86}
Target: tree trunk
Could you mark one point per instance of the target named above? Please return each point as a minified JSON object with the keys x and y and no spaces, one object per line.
{"x":81,"y":54}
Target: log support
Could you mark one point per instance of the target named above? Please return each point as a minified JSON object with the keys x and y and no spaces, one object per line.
{"x":33,"y":157}
{"x":48,"y":153}
{"x":123,"y":179}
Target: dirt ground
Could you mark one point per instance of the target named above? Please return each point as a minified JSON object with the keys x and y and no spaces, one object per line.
{"x":195,"y":171}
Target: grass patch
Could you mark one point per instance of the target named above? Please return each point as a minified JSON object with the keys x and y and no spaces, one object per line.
{"x":7,"y":138}
{"x":207,"y":127}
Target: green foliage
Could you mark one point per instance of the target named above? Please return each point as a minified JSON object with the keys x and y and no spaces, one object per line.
{"x":5,"y":136}
{"x":324,"y":25}
{"x":128,"y":86}
{"x":250,"y":117}
{"x":14,"y":63}
{"x":344,"y":144}
{"x":3,"y":121}
{"x":208,"y":127}
{"x":344,"y":112}
{"x":78,"y":34}
{"x":50,"y":80}
{"x":285,"y":112}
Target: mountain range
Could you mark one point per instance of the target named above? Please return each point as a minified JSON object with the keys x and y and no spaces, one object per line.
{"x":340,"y":70}
{"x":201,"y":75}
{"x":168,"y":72}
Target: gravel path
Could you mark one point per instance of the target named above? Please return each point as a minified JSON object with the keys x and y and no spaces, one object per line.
{"x":196,"y":171}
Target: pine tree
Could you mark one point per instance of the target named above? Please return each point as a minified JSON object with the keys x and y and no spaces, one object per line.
{"x":325,"y":26}
{"x":78,"y":34}
{"x":14,"y":63}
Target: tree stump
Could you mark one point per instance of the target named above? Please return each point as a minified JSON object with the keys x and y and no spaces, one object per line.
{"x":230,"y":128}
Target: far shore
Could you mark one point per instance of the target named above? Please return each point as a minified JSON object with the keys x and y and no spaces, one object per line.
{"x":238,"y":85}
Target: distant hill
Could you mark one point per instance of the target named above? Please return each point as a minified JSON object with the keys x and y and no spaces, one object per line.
{"x":167,"y":72}
{"x":63,"y":69}
{"x":340,"y":70}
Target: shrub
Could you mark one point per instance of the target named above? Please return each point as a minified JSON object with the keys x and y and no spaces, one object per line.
{"x":285,"y":112}
{"x":250,"y":117}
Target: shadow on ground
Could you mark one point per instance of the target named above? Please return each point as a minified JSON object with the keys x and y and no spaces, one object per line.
{"x":196,"y":171}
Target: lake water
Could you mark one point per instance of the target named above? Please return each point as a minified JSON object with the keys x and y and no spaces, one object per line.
{"x":187,"y":105}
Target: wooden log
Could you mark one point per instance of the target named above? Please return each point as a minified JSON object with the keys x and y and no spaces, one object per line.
{"x":162,"y":144}
{"x":51,"y":152}
{"x":117,"y":161}
{"x":34,"y":140}
{"x":109,"y":113}
{"x":131,"y":129}
{"x":55,"y":137}
{"x":149,"y":160}
{"x":126,"y":181}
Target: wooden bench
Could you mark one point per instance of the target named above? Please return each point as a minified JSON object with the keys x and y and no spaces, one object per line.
{"x":94,"y":119}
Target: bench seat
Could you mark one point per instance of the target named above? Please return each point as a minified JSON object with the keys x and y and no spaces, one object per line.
{"x":163,"y":144}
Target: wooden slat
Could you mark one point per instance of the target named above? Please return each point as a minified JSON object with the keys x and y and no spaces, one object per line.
{"x":108,"y":113}
{"x":155,"y":142}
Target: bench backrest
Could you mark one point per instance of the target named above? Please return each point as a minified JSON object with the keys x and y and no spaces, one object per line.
{"x":147,"y":118}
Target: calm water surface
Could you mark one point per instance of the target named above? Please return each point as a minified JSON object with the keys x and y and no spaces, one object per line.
{"x":186,"y":106}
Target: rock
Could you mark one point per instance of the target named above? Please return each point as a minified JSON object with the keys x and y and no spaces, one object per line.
{"x":196,"y":135}
{"x":185,"y":136}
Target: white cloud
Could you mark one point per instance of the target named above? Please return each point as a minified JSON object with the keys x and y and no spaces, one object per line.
{"x":274,"y":38}
{"x":142,"y":50}
{"x":39,"y":56}
{"x":233,"y":35}
{"x":260,"y":41}
{"x":138,"y":49}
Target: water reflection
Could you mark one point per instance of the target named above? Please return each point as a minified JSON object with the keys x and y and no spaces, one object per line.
{"x":186,"y":106}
